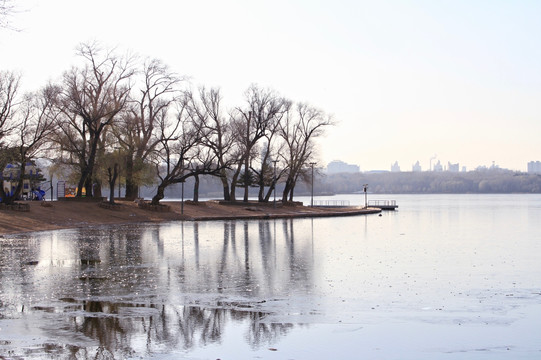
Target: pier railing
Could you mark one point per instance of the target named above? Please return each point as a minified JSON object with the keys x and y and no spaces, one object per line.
{"x":331,"y":203}
{"x":383,"y":204}
{"x":377,"y":203}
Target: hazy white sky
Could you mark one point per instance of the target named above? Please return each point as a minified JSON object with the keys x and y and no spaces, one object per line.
{"x":405,"y":80}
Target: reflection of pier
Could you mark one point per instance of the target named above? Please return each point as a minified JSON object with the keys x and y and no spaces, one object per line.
{"x":383,"y":204}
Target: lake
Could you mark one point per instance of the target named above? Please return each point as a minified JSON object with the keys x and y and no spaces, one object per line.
{"x":443,"y":277}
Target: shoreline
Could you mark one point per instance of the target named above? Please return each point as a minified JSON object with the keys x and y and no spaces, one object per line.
{"x":79,"y":214}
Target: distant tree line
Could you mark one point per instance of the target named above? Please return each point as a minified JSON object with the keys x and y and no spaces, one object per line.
{"x":116,"y":117}
{"x":484,"y":181}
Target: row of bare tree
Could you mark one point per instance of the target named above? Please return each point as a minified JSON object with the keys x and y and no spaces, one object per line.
{"x":115,"y":113}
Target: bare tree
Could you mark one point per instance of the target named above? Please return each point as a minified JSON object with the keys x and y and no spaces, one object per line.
{"x":71,"y":140}
{"x":177,"y":139}
{"x":7,"y":9}
{"x":34,"y":123}
{"x":216,"y":131}
{"x":204,"y":162}
{"x":92,"y":98}
{"x":9,"y":88}
{"x":158,"y":88}
{"x":265,"y":175}
{"x":251,"y":124}
{"x":179,"y":154}
{"x":298,"y":131}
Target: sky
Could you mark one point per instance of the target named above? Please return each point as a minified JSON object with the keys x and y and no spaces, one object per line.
{"x":455,"y":81}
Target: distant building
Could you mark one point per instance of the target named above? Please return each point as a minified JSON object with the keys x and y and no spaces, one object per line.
{"x":337,"y":166}
{"x":464,"y":169}
{"x":438,"y":167}
{"x":395,"y":167}
{"x":485,"y":168}
{"x":416,"y":167}
{"x":452,"y":167}
{"x":534,"y":167}
{"x":377,"y":171}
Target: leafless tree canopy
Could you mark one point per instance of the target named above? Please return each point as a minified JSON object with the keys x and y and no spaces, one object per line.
{"x":217,"y":135}
{"x":9,"y":87}
{"x":30,"y":121}
{"x":92,"y":98}
{"x":117,"y":117}
{"x":7,"y":9}
{"x":156,"y":89}
{"x":251,"y":123}
{"x":301,"y":125}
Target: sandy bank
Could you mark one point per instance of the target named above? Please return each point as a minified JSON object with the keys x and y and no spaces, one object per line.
{"x":72,"y":214}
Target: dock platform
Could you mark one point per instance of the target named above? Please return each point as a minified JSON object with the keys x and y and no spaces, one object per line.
{"x":383,"y":204}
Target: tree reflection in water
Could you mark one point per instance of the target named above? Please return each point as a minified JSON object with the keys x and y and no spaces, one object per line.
{"x":127,"y":291}
{"x":118,"y":328}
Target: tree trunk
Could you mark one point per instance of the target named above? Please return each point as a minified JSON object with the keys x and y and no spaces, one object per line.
{"x":234,"y":181}
{"x":112,"y":192}
{"x":232,"y":197}
{"x":82,"y":182}
{"x":246,"y":178}
{"x":292,"y":189}
{"x":86,"y":174}
{"x":287,"y":189}
{"x":159,"y":194}
{"x":88,"y":185}
{"x":261,"y":194}
{"x":196,"y":189}
{"x":261,"y":183}
{"x":132,"y":189}
{"x":269,"y":192}
{"x":245,"y":197}
{"x":233,"y":187}
{"x":225,"y":185}
{"x":96,"y":189}
{"x":112,"y":180}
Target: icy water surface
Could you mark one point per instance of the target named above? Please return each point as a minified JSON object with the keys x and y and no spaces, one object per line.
{"x":445,"y":277}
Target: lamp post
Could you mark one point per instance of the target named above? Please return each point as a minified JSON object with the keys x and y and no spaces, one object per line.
{"x":312,"y":196}
{"x":365,"y":188}
{"x":182,"y":198}
{"x":118,"y":148}
{"x":274,"y":182}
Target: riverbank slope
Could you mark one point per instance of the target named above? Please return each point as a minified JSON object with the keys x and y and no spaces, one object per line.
{"x":74,"y":214}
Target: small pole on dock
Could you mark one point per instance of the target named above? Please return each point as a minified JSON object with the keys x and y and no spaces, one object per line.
{"x":365,"y":188}
{"x":182,"y":198}
{"x":312,"y":198}
{"x":274,"y":182}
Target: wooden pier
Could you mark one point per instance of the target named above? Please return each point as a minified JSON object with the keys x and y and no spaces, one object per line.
{"x":383,"y":204}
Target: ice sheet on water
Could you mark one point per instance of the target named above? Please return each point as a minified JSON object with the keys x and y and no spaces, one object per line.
{"x":432,"y":280}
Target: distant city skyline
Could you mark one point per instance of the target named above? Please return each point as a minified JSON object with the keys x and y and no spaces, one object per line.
{"x":337,"y":166}
{"x":403,"y":80}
